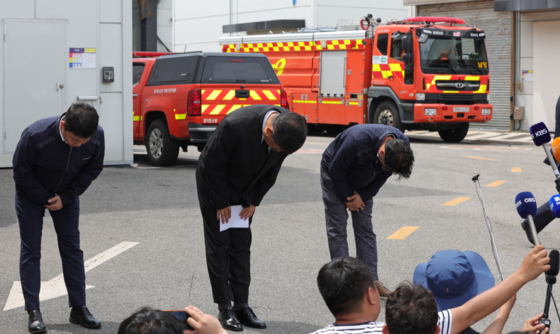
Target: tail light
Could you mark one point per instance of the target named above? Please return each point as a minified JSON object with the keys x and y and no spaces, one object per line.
{"x":193,"y":103}
{"x":283,"y":99}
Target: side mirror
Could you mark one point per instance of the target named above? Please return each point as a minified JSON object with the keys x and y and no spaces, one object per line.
{"x":407,"y":44}
{"x":423,"y":38}
{"x":407,"y":57}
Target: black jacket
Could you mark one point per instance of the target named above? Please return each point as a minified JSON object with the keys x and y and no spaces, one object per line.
{"x":228,"y":165}
{"x":44,"y":164}
{"x":352,"y":163}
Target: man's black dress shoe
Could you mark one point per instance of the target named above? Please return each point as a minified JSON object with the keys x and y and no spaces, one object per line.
{"x":525,"y":226}
{"x":36,"y":324}
{"x":229,"y":320}
{"x":80,"y":315}
{"x":248,"y":318}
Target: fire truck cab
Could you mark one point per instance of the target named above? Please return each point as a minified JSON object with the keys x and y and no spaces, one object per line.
{"x":420,"y":73}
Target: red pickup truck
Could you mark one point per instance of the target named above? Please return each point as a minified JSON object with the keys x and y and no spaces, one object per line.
{"x":180,"y":98}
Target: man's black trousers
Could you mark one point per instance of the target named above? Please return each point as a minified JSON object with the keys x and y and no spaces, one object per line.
{"x":227,"y":254}
{"x":66,"y":222}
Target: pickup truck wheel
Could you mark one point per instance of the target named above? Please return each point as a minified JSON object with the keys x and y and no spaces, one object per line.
{"x":456,"y":135}
{"x":388,"y":114}
{"x":162,"y":149}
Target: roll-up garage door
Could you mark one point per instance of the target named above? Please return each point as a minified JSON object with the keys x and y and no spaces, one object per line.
{"x":497,"y":26}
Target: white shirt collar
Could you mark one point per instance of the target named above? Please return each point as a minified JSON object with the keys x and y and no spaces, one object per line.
{"x":60,"y":128}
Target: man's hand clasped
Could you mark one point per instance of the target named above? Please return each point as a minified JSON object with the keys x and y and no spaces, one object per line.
{"x":55,"y":203}
{"x":224,"y":214}
{"x":355,"y":202}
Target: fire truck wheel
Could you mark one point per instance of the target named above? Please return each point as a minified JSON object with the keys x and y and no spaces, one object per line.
{"x":388,"y":114}
{"x":162,"y":149}
{"x":456,"y":135}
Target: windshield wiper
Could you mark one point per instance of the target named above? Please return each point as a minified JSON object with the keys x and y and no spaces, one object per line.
{"x":445,"y":64}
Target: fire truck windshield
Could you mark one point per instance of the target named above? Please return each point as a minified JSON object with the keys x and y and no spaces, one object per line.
{"x":454,"y":55}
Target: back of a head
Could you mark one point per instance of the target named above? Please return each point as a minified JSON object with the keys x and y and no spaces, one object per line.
{"x":399,"y":157}
{"x":149,"y":321}
{"x":81,"y":119}
{"x":411,"y":309}
{"x":343,"y":282}
{"x":289,"y":131}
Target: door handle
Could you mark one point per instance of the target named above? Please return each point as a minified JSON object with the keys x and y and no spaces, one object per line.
{"x":134,"y":95}
{"x":59,"y":86}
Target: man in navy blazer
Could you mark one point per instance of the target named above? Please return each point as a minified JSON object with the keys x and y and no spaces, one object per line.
{"x":55,"y":161}
{"x":353,"y":169}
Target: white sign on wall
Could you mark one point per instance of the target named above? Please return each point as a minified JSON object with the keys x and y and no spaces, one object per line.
{"x":82,"y":58}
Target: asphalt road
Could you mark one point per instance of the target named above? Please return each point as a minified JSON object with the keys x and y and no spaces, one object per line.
{"x":158,"y":209}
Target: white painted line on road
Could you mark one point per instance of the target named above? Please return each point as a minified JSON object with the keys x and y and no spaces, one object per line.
{"x":56,"y":287}
{"x":485,"y":135}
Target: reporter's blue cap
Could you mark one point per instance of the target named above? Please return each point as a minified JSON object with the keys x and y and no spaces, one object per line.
{"x":454,"y":277}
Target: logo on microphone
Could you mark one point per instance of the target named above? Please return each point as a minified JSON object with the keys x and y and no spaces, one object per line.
{"x":517,"y":204}
{"x":539,"y":133}
{"x":530,"y":200}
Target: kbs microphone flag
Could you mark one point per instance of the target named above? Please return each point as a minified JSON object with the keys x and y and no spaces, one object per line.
{"x":539,"y":134}
{"x":555,"y":205}
{"x":526,"y":204}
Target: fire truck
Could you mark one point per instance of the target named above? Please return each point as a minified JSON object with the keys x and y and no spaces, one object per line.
{"x":422,"y":73}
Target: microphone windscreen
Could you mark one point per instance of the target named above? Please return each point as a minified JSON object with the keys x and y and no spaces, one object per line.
{"x":555,"y":205}
{"x":556,"y":148}
{"x":539,"y":134}
{"x":526,"y":204}
{"x":554,"y":263}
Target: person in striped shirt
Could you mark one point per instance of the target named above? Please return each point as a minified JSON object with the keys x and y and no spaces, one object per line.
{"x":348,"y":289}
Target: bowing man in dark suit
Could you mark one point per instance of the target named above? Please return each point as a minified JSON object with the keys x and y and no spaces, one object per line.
{"x":238,"y":166}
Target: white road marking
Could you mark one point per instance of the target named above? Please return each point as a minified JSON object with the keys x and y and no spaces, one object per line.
{"x":55,"y":287}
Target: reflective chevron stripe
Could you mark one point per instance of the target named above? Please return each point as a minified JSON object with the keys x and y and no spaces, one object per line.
{"x":346,"y":44}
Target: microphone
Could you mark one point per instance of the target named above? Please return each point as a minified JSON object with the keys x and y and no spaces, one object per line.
{"x":550,"y":280}
{"x":541,"y":136}
{"x":556,"y":148}
{"x":554,"y":204}
{"x":526,"y":206}
{"x":554,"y":256}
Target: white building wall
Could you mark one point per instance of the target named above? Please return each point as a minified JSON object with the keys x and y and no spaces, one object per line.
{"x":524,"y":61}
{"x":198,"y":26}
{"x":165,"y":24}
{"x":105,"y":25}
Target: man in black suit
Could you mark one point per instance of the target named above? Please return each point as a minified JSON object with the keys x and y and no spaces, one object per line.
{"x":238,"y":166}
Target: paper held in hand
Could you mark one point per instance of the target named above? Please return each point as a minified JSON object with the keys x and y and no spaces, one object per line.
{"x":235,"y":221}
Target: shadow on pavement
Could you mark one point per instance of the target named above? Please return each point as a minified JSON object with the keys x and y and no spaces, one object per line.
{"x":106,"y":327}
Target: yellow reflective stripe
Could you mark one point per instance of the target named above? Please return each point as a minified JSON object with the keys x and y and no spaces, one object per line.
{"x":204,"y":107}
{"x":472,"y":78}
{"x":255,"y":96}
{"x":450,"y":91}
{"x":180,"y":116}
{"x":214,"y":95}
{"x":229,"y":95}
{"x":376,"y":68}
{"x":386,"y":74}
{"x":332,"y":102}
{"x":440,"y":77}
{"x":395,"y":67}
{"x":235,"y":107}
{"x":203,"y":91}
{"x":354,"y":103}
{"x":269,"y":95}
{"x":136,"y":118}
{"x":218,"y":109}
{"x":302,"y":101}
{"x":482,"y":89}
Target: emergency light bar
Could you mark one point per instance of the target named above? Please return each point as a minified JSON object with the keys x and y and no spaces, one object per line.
{"x":432,"y":19}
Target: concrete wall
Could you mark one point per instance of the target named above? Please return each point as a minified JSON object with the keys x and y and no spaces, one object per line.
{"x":164,"y":24}
{"x":198,"y":26}
{"x":105,"y":25}
{"x":524,"y":61}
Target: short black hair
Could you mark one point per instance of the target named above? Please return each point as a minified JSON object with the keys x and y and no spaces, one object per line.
{"x":289,"y":131}
{"x":149,"y":321}
{"x":343,"y":283}
{"x":81,"y":119}
{"x":411,"y":309}
{"x":399,"y":157}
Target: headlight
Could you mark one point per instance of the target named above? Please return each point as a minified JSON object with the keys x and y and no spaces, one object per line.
{"x":430,"y":111}
{"x":486,"y":111}
{"x":420,"y":96}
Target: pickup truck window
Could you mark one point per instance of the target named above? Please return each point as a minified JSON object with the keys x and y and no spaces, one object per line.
{"x":239,"y":69}
{"x":137,"y":70}
{"x":179,"y":70}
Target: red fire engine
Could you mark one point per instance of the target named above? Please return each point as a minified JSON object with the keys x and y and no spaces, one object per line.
{"x":419,"y":73}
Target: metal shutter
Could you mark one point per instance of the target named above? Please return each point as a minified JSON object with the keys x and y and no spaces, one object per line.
{"x":497,"y":26}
